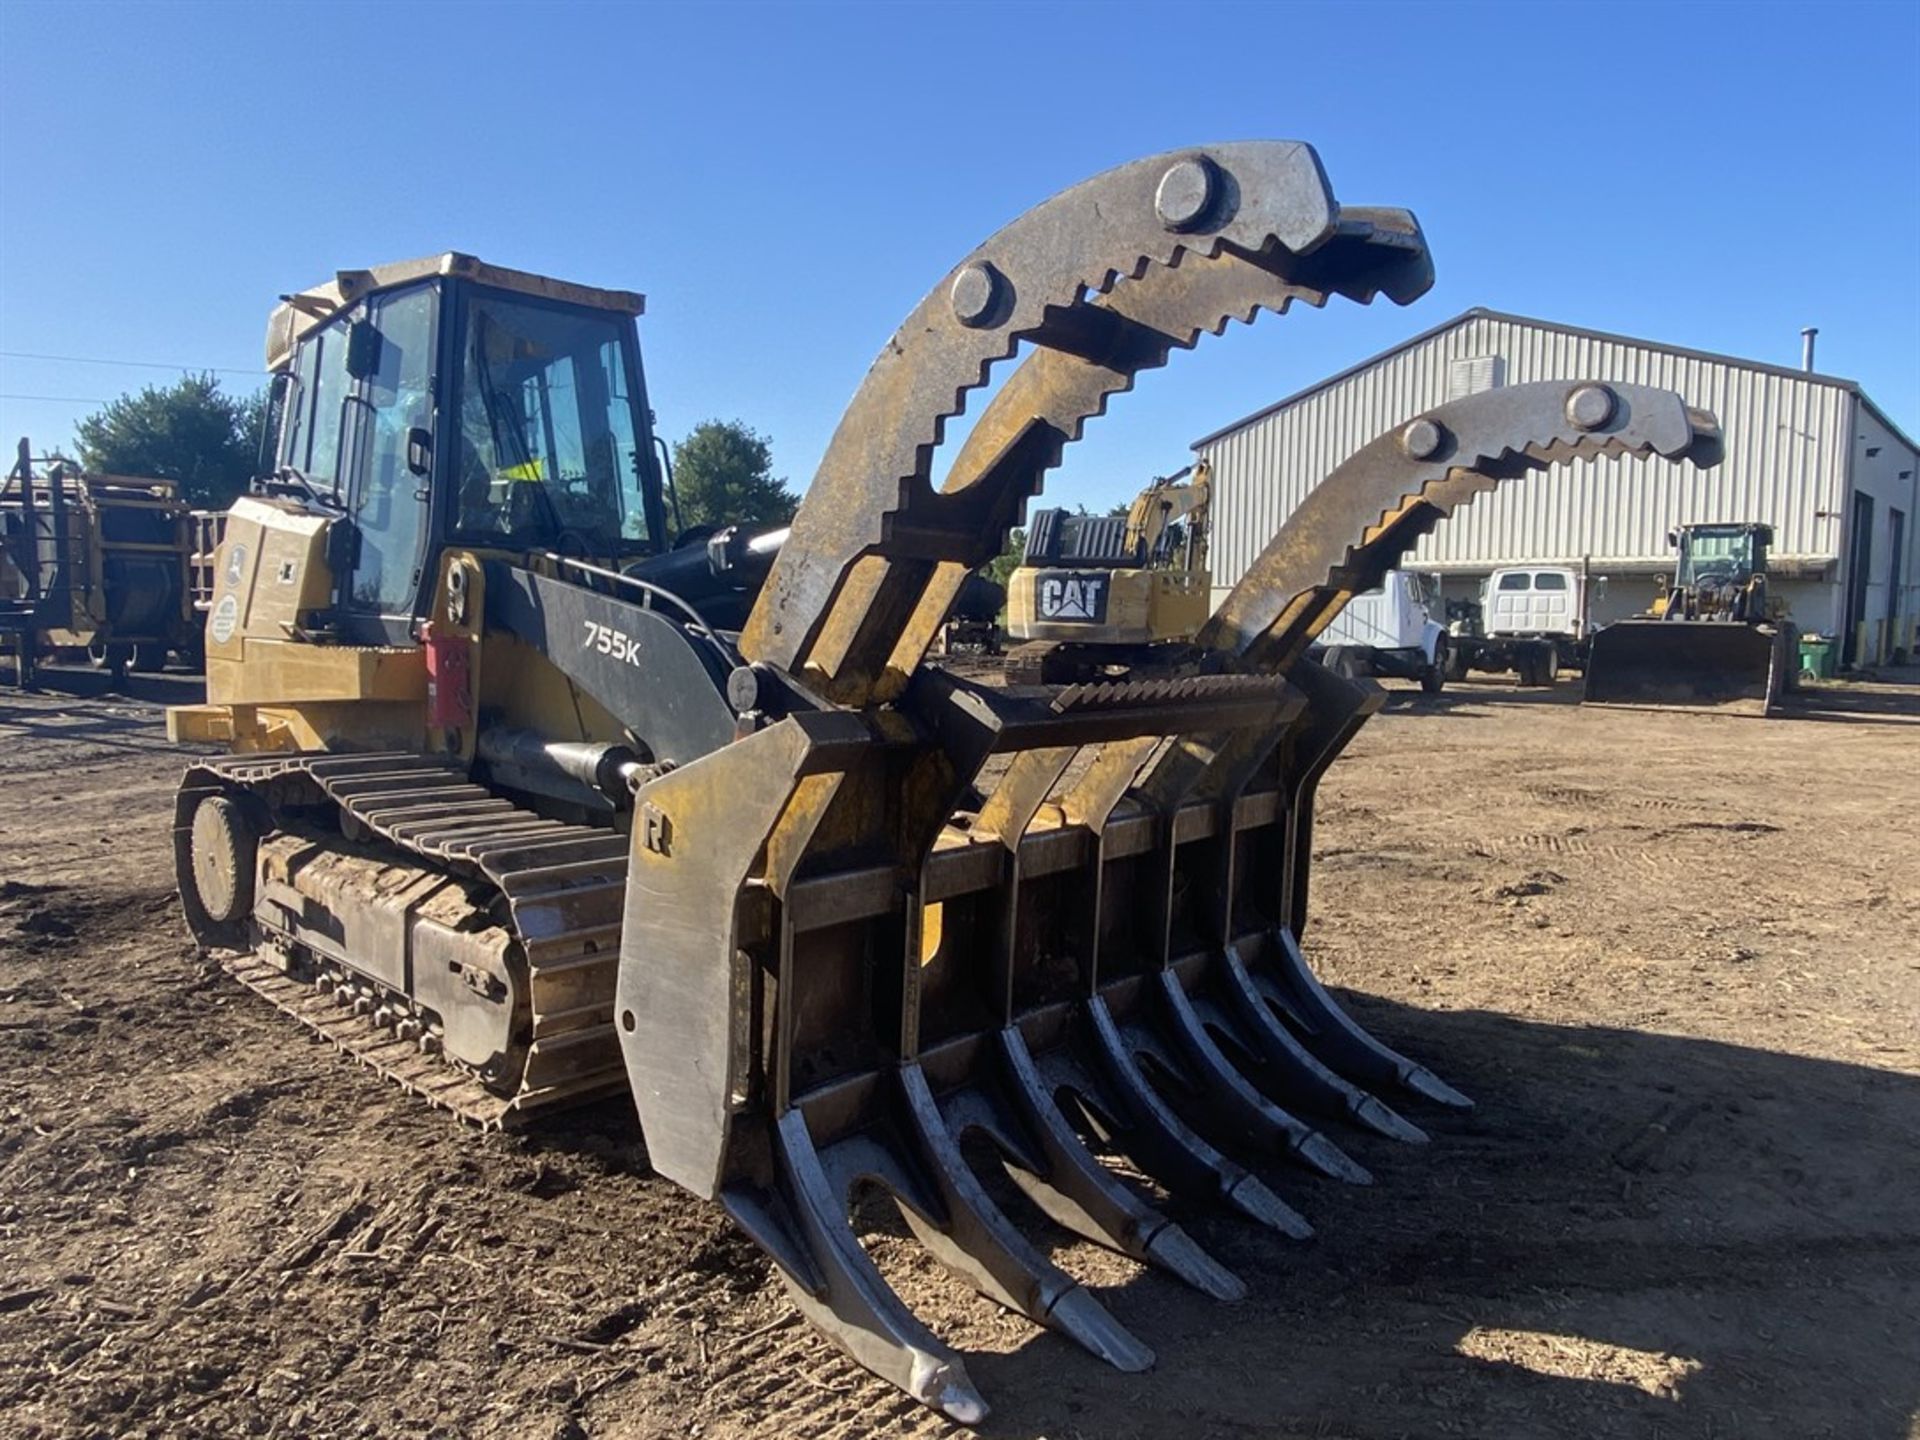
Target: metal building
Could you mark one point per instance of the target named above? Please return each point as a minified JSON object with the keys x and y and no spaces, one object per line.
{"x":1810,"y":454}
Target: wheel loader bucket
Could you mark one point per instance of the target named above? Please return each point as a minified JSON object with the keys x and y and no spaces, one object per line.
{"x":1688,"y":663}
{"x":911,"y":925}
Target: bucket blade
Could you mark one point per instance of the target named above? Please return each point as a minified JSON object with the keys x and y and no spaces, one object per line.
{"x":1685,"y":662}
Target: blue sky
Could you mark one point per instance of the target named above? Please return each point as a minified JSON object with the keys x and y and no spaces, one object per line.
{"x":785,"y":181}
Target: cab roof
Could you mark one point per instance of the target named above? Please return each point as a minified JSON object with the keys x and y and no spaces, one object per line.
{"x":298,"y":315}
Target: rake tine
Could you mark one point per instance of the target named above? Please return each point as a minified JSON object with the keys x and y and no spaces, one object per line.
{"x":1166,"y":1149}
{"x":848,"y":1298}
{"x":1283,"y":1062}
{"x":1231,"y":1103}
{"x":978,"y":1242}
{"x":1080,"y":1193}
{"x":1339,"y":1040}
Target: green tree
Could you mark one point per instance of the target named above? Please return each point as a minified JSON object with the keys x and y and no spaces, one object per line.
{"x":723,"y":473}
{"x":190,"y":432}
{"x":1008,"y":560}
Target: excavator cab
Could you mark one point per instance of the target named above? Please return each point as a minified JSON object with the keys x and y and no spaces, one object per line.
{"x":448,"y":402}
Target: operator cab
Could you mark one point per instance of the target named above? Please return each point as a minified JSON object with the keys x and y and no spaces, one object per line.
{"x":447,"y":402}
{"x":1721,"y":555}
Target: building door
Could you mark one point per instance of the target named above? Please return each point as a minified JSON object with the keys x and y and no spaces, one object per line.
{"x":1896,"y":577}
{"x":1859,"y":567}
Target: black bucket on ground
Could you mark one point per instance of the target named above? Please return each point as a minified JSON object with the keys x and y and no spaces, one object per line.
{"x":1687,"y":662}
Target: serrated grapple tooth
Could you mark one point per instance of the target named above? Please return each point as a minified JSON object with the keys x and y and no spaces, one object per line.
{"x":873,"y":531}
{"x":972,"y":1237}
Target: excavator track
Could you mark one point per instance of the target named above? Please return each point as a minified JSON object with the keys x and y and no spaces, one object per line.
{"x":558,"y":888}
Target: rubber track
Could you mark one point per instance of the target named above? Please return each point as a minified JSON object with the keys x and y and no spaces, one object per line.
{"x":565,"y":887}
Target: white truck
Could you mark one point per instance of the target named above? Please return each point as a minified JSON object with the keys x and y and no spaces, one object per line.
{"x":1391,"y":631}
{"x":1531,"y":619}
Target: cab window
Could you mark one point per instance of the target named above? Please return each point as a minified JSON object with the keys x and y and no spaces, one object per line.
{"x":1548,"y":580}
{"x":390,"y":501}
{"x":548,"y":449}
{"x":324,"y":458}
{"x":1514,"y":580}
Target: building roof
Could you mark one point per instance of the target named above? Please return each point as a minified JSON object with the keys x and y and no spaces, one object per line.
{"x":1480,"y":312}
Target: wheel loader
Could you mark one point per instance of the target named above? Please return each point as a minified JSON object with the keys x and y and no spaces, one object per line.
{"x":1715,"y":635}
{"x":1102,"y":594}
{"x":515,"y":818}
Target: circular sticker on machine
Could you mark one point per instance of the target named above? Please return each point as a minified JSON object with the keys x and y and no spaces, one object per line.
{"x":236,"y":563}
{"x":226,"y":615}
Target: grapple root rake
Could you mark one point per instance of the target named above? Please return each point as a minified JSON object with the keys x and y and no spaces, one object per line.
{"x":910,"y":912}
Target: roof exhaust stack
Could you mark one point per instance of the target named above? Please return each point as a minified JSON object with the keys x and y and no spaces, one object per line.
{"x":1806,"y":347}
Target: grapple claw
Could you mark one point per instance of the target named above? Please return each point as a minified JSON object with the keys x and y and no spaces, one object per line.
{"x":1161,"y":1144}
{"x":1229,"y":1102}
{"x":973,"y":1238}
{"x":1280,"y":1064}
{"x":902,"y":907}
{"x":836,"y":1286}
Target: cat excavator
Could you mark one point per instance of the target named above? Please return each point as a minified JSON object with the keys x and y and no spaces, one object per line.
{"x":1101,"y":594}
{"x":526,"y":804}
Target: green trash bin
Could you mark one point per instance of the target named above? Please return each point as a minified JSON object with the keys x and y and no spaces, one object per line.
{"x":1816,"y":657}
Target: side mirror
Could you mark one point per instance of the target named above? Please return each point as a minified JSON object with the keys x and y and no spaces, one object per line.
{"x":419,"y":450}
{"x":1600,"y":586}
{"x":363,"y":349}
{"x":1673,"y":539}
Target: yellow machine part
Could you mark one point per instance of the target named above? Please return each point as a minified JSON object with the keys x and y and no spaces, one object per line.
{"x":275,"y":684}
{"x":1143,"y":607}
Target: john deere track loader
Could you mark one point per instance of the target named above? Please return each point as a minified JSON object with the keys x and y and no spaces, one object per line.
{"x":1715,"y":636}
{"x":1101,"y":594}
{"x":517,"y":817}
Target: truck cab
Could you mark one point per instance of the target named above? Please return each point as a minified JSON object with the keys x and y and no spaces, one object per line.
{"x":1391,"y":630}
{"x":1535,"y":601}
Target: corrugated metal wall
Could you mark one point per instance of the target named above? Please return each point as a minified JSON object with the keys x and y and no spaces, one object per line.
{"x":1787,"y":440}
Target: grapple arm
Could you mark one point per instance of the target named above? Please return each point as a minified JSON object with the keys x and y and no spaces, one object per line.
{"x":1052,"y":921}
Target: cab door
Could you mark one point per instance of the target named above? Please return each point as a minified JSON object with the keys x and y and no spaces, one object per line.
{"x":386,"y":484}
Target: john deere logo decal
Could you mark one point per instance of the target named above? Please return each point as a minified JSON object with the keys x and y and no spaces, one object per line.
{"x":1074,"y":598}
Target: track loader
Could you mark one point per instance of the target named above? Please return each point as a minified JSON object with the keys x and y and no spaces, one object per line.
{"x":1096,"y":595}
{"x":1715,"y":636}
{"x":515,"y":820}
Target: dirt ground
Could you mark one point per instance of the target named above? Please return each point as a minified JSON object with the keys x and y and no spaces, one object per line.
{"x":1676,"y":959}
